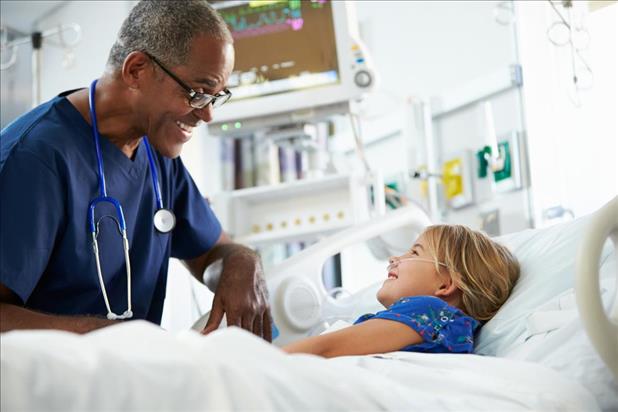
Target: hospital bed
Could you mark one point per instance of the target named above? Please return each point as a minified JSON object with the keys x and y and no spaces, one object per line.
{"x":553,"y":346}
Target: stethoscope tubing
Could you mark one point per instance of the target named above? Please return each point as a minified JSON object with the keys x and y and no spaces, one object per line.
{"x":154,"y":174}
{"x":95,"y":130}
{"x":101,"y":172}
{"x":104,"y":198}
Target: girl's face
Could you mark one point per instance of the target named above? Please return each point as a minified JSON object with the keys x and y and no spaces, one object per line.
{"x":412,"y":274}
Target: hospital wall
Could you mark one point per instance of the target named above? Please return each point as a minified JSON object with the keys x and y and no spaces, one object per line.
{"x":422,"y":52}
{"x":16,"y":96}
{"x":573,"y":150}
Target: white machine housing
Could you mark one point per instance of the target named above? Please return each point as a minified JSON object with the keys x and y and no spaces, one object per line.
{"x":303,"y":210}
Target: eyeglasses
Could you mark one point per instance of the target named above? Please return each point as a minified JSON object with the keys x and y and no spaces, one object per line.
{"x":197,"y":100}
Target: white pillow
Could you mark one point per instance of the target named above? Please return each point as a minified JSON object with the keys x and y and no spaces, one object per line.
{"x":547,"y":260}
{"x":556,"y":338}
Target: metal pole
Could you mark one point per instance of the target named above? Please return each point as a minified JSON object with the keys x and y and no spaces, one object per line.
{"x":434,"y":211}
{"x":37,"y":43}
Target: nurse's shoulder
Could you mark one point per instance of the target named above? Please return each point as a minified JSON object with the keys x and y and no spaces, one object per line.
{"x":45,"y":132}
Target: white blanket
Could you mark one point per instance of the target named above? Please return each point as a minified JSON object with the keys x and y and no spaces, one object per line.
{"x":137,"y":366}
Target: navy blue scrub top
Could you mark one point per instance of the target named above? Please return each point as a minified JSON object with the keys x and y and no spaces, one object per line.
{"x":48,"y":176}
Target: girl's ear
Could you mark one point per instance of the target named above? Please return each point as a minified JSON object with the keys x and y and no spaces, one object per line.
{"x":446,"y":288}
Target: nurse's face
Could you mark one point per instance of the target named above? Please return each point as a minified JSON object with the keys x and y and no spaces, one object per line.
{"x":411,"y":274}
{"x":168,"y":118}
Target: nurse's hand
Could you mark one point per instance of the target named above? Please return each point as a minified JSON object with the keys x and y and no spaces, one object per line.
{"x":242,"y":295}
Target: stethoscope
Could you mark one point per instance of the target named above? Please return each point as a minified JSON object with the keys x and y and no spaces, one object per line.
{"x":164,"y":219}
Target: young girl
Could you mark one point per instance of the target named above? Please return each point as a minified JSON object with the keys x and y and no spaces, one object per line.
{"x":436,"y":296}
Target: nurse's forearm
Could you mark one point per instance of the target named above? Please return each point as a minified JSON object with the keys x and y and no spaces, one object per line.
{"x":222,"y":249}
{"x":14,"y":317}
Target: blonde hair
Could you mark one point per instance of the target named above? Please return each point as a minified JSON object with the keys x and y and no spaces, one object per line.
{"x":482,"y":269}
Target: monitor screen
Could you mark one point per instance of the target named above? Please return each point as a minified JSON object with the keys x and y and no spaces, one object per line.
{"x":281,"y":46}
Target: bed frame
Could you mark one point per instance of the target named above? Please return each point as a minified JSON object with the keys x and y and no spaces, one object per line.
{"x":601,"y":327}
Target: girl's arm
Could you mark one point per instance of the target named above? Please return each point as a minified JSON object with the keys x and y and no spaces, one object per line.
{"x":371,"y":336}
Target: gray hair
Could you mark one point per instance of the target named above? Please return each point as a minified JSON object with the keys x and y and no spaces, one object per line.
{"x":165,"y":28}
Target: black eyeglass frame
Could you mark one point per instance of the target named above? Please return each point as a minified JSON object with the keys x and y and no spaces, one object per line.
{"x":197,"y":100}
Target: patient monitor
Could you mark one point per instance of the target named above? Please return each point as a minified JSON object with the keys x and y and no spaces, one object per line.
{"x":295,"y":61}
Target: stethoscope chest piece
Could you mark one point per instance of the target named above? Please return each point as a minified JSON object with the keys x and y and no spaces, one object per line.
{"x":164,"y":220}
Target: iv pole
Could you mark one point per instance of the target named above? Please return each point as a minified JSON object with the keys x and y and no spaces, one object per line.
{"x":36,"y":39}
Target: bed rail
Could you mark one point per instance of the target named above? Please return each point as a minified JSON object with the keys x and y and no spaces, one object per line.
{"x":601,"y":327}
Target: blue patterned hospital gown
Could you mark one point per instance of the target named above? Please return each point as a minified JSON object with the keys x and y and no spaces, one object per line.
{"x":444,"y":328}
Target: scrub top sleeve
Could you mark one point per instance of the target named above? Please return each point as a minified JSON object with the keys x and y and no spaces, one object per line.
{"x":32,"y":213}
{"x":197,"y":228}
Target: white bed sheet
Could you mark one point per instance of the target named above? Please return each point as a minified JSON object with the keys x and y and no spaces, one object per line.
{"x":138,"y":366}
